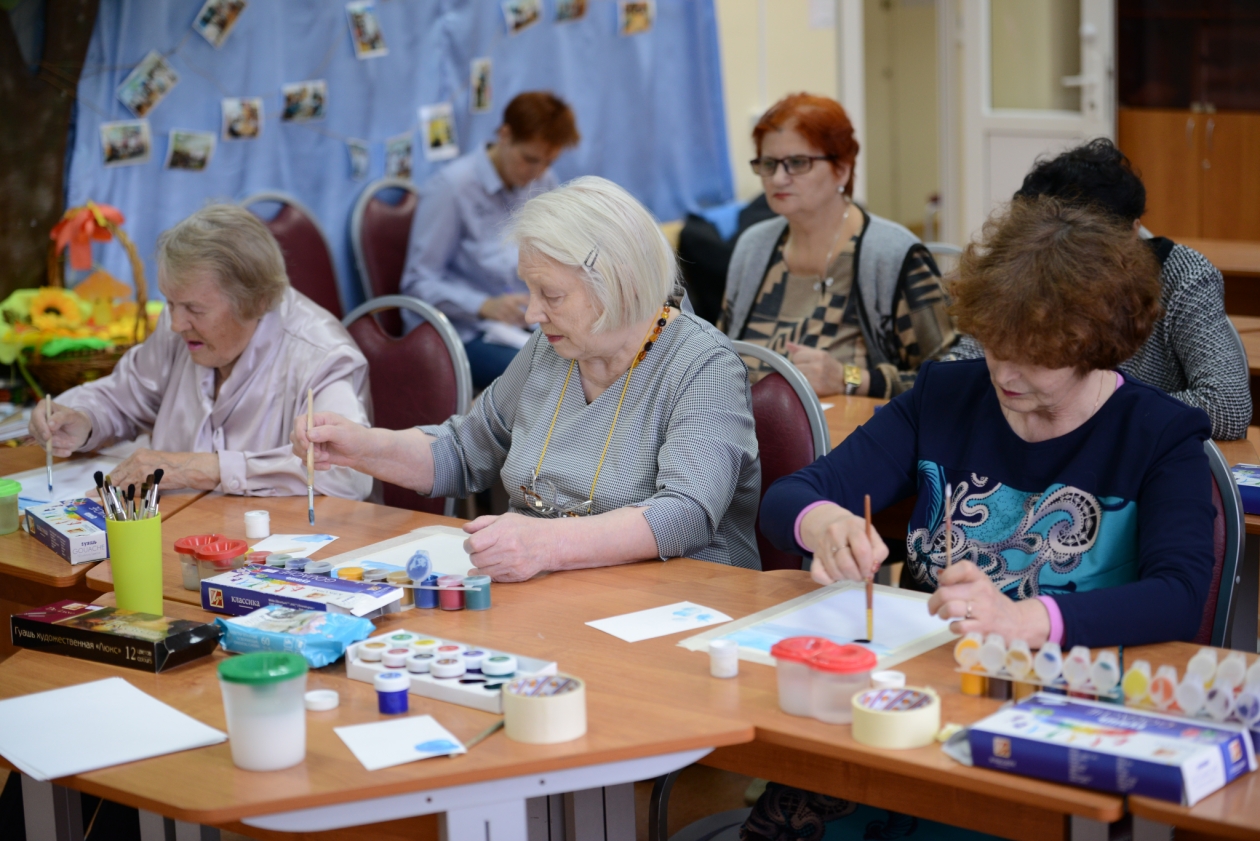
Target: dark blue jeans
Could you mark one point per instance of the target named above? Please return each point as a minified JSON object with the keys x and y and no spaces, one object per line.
{"x":487,"y":361}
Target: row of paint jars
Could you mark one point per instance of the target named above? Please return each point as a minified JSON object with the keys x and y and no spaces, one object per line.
{"x":818,"y":677}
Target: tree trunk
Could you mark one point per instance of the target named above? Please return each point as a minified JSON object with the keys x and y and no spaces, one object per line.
{"x":35,"y":113}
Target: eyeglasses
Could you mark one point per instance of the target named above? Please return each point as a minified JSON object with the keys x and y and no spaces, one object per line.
{"x":542,"y":498}
{"x":794,"y":164}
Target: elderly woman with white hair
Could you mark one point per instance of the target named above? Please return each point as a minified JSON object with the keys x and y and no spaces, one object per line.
{"x":222,"y":379}
{"x":622,"y":431}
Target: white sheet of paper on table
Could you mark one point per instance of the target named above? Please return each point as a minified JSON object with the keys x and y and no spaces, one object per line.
{"x":659,"y":621}
{"x":71,"y":480}
{"x":383,"y":744}
{"x":297,"y":545}
{"x":826,"y":406}
{"x":445,"y":548}
{"x":127,"y":725}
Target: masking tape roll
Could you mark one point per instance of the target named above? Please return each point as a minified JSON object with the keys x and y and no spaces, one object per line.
{"x":896,"y":719}
{"x":543,"y":710}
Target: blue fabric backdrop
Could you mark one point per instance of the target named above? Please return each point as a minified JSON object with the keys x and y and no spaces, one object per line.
{"x":649,"y":106}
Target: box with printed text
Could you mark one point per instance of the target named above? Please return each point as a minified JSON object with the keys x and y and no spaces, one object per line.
{"x":244,"y":590}
{"x":74,"y":529}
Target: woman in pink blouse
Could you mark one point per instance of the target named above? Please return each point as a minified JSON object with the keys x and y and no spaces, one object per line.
{"x":219,"y":383}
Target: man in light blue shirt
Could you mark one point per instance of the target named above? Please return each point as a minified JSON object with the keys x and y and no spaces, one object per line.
{"x":457,"y":259}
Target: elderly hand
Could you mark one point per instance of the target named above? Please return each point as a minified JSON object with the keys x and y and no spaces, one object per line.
{"x":842,"y":549}
{"x":511,"y":547}
{"x":338,"y":441}
{"x":824,"y":373}
{"x":964,"y":593}
{"x":509,"y":309}
{"x":68,"y":428}
{"x":199,"y":471}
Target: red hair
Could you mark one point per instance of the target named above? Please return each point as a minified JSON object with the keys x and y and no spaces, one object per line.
{"x":541,"y":115}
{"x":821,"y":121}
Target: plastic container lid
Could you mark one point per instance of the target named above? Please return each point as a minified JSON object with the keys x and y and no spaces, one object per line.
{"x":259,"y":558}
{"x":262,"y":667}
{"x":800,"y":649}
{"x":8,"y":487}
{"x":319,"y":700}
{"x":844,"y":660}
{"x":391,"y":682}
{"x":221,"y":550}
{"x":188,"y":545}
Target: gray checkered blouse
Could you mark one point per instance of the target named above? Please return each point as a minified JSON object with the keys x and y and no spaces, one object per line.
{"x":685,"y":447}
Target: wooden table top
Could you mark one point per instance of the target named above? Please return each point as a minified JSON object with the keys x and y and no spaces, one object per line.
{"x":1231,"y":256}
{"x":1245,"y":323}
{"x":22,"y":556}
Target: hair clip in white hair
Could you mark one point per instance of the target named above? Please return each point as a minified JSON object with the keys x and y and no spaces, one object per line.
{"x":589,"y":262}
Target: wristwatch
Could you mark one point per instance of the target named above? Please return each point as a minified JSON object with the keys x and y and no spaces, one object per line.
{"x":852,"y":379}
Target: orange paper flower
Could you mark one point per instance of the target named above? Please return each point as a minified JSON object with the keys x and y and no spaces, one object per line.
{"x":79,"y":226}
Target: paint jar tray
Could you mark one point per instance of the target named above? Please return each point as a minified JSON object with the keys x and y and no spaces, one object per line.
{"x":470,"y":690}
{"x":1057,"y":685}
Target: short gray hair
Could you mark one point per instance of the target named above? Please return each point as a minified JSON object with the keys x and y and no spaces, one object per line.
{"x":595,"y":226}
{"x":236,"y":246}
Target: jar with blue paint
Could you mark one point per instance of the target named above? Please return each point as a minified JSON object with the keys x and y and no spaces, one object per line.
{"x":391,"y":692}
{"x":427,"y":598}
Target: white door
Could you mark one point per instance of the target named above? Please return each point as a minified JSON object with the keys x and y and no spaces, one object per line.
{"x":1037,"y":76}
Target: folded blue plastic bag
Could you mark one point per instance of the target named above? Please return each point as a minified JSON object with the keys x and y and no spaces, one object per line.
{"x":321,"y":638}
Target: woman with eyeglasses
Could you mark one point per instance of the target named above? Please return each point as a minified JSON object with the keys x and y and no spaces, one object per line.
{"x":854,"y":300}
{"x":622,"y":431}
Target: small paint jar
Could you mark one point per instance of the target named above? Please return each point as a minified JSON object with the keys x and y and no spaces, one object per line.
{"x":395,"y":658}
{"x":296,"y":564}
{"x":425,"y":645}
{"x":473,"y":659}
{"x":451,"y":599}
{"x":1203,"y":664}
{"x":967,"y":650}
{"x":220,"y":557}
{"x":278,"y":559}
{"x":1105,"y":673}
{"x":1219,"y":703}
{"x":1018,"y":659}
{"x":1190,"y":694}
{"x":791,"y":665}
{"x":372,"y":652}
{"x":427,"y":599}
{"x":888,"y":680}
{"x":837,"y":675}
{"x":1164,"y":687}
{"x":723,"y":658}
{"x":391,"y":692}
{"x":323,"y":568}
{"x":322,"y":700}
{"x":1137,"y":682}
{"x":402,"y":638}
{"x":9,"y":492}
{"x":419,"y":664}
{"x":993,"y":653}
{"x":1076,"y":666}
{"x":375,"y":574}
{"x":478,"y":599}
{"x":499,"y":665}
{"x":257,"y":525}
{"x":1247,"y":705}
{"x":400,"y":579}
{"x":256,"y":558}
{"x":1253,"y":674}
{"x":450,"y":649}
{"x":1048,"y":664}
{"x":1232,"y":671}
{"x":447,"y":667}
{"x":185,"y":547}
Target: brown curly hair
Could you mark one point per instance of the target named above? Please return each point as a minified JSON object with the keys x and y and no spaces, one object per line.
{"x":1057,"y":285}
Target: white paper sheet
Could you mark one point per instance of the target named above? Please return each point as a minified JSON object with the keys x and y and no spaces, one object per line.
{"x":826,"y":406}
{"x":297,"y":545}
{"x":445,"y":550}
{"x":127,"y":725}
{"x":71,"y":480}
{"x":383,"y":744}
{"x":659,"y":621}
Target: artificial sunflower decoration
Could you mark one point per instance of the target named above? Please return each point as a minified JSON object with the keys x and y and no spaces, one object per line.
{"x":53,"y":308}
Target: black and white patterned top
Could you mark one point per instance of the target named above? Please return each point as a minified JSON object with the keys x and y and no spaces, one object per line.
{"x":1193,"y":353}
{"x":685,"y":447}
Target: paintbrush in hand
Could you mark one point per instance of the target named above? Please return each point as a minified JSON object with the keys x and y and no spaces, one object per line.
{"x":310,"y":456}
{"x":949,"y":524}
{"x":48,"y":443}
{"x":870,"y":581}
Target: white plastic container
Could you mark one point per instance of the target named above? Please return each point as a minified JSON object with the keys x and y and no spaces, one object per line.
{"x":791,"y":658}
{"x":264,"y":700}
{"x":723,"y":658}
{"x":257,"y":525}
{"x":837,"y":675}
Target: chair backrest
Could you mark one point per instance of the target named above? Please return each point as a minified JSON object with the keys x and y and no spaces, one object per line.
{"x":1228,"y":534}
{"x":791,"y":432}
{"x":420,"y":378}
{"x":307,"y":258}
{"x":379,"y":229}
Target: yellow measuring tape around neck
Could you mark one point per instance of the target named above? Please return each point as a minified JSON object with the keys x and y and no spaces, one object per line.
{"x":654,"y":332}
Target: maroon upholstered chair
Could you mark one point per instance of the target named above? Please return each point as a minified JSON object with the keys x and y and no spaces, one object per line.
{"x":379,"y":229}
{"x":791,"y":432}
{"x":307,"y":257}
{"x":420,"y":378}
{"x":1228,"y":533}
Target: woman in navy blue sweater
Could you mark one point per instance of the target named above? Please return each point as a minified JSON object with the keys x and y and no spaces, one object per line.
{"x":1081,"y":499}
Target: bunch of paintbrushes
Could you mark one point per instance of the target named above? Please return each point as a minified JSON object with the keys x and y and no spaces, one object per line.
{"x":124,"y":505}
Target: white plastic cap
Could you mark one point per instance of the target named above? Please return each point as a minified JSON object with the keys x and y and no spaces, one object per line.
{"x":319,"y":700}
{"x":888,"y":679}
{"x":391,"y":682}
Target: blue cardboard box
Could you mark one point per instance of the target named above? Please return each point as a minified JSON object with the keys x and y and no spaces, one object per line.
{"x":73,"y":528}
{"x":1248,"y":478}
{"x":1113,"y":748}
{"x":244,"y":590}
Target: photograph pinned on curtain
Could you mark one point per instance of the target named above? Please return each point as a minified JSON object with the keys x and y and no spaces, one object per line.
{"x":190,"y":150}
{"x":145,"y":86}
{"x":398,"y":156}
{"x":570,"y":10}
{"x":635,"y":17}
{"x":125,"y":142}
{"x":304,"y":101}
{"x":437,"y":129}
{"x":215,"y":20}
{"x":520,"y":15}
{"x":360,"y":158}
{"x":365,"y":30}
{"x":242,"y":118}
{"x":481,"y":98}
